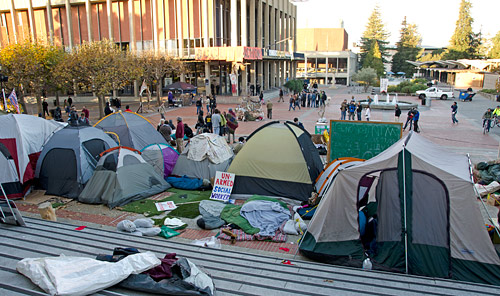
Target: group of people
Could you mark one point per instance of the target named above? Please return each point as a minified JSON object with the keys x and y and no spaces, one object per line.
{"x":210,"y":102}
{"x":488,"y":116}
{"x":354,"y":110}
{"x":312,"y":99}
{"x":218,"y":123}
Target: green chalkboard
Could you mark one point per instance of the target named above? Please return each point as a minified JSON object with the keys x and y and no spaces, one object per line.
{"x":361,"y":139}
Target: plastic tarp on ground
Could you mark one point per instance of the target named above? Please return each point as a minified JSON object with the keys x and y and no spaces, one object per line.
{"x":80,"y":275}
{"x":211,"y":146}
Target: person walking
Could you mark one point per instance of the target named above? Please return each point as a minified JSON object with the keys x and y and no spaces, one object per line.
{"x":269,"y":106}
{"x":416,"y":117}
{"x":45,"y":107}
{"x":359,"y":109}
{"x":368,"y":113}
{"x":297,"y":99}
{"x":199,"y":105}
{"x":207,"y":102}
{"x":343,"y":110}
{"x":216,"y":122}
{"x":179,"y":135}
{"x":409,"y":119}
{"x":397,"y":113}
{"x":454,"y":109}
{"x":281,"y":99}
{"x":292,"y":103}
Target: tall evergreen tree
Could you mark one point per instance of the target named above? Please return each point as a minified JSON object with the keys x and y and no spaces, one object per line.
{"x":495,"y":49}
{"x":375,"y":32}
{"x":407,"y":48}
{"x":464,"y":43}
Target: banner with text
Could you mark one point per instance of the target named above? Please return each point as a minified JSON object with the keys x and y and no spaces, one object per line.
{"x":223,"y":186}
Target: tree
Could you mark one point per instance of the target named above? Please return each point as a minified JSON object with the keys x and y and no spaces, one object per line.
{"x":30,"y":68}
{"x":407,"y":48}
{"x":375,"y":32}
{"x":155,"y":67}
{"x":464,"y":42}
{"x":494,"y":52}
{"x":365,"y":76}
{"x":99,"y":67}
{"x":374,"y":59}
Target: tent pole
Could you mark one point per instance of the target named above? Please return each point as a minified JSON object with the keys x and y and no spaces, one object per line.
{"x":404,"y":210}
{"x":479,"y":196}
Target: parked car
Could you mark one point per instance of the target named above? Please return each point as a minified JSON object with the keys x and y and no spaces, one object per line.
{"x":434,"y":92}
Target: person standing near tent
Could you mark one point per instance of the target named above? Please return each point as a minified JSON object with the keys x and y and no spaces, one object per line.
{"x":397,"y":113}
{"x":208,"y":122}
{"x":107,"y":109}
{"x":269,"y":106}
{"x":368,"y":113}
{"x":297,"y":122}
{"x":83,"y":120}
{"x":409,"y":119}
{"x":454,"y":109}
{"x":213,"y":104}
{"x":179,"y":135}
{"x":87,"y":112}
{"x":216,"y":121}
{"x":416,"y":117}
{"x":223,"y":124}
{"x":70,"y":102}
{"x":241,"y":143}
{"x":232,"y":124}
{"x":165,"y":130}
{"x":45,"y":107}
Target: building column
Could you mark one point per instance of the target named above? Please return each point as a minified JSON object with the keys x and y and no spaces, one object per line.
{"x":234,"y":23}
{"x":260,"y":76}
{"x":253,"y":73}
{"x":326,"y":70}
{"x":266,"y":25}
{"x":69,"y":19}
{"x":265,"y":86}
{"x":180,"y":38}
{"x":109,"y":11}
{"x":204,"y":6}
{"x":294,"y":31}
{"x":13,"y":15}
{"x":272,"y":14}
{"x":348,"y":67}
{"x":88,"y":10}
{"x":259,"y":32}
{"x":50,"y":21}
{"x":244,"y":81}
{"x":243,"y":23}
{"x":154,"y":10}
{"x":272,"y":74}
{"x":283,"y":73}
{"x":208,"y":89}
{"x":131,"y":23}
{"x":305,"y":65}
{"x":31,"y":20}
{"x":252,"y":24}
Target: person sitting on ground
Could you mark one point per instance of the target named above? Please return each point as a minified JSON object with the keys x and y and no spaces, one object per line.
{"x":58,"y":114}
{"x":107,"y":109}
{"x":188,"y":132}
{"x":237,"y":147}
{"x":297,"y":122}
{"x":83,"y":120}
{"x":127,"y":108}
{"x":172,"y":126}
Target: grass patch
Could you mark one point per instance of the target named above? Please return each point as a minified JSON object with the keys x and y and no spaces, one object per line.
{"x":57,"y":204}
{"x":190,"y":210}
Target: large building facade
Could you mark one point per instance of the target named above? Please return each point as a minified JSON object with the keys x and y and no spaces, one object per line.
{"x":327,"y":59}
{"x":229,"y":46}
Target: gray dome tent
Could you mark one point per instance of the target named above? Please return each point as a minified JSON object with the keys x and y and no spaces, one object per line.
{"x":131,"y":129}
{"x":122,"y":176}
{"x":69,"y":158}
{"x":428,"y":219}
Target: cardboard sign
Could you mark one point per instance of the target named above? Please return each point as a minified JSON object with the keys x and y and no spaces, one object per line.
{"x":223,"y":186}
{"x":165,"y":206}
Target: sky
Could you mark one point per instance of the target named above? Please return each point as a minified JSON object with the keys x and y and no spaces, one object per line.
{"x":436,"y":19}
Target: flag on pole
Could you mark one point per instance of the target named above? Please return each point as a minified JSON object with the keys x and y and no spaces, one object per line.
{"x":13,"y":100}
{"x":143,"y":87}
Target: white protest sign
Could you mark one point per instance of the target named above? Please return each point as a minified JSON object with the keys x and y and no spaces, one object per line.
{"x":223,"y":186}
{"x":165,"y":206}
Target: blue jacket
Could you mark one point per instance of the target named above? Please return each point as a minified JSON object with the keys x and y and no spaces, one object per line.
{"x":416,"y":116}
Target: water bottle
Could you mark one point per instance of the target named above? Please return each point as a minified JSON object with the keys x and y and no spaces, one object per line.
{"x":367,"y":264}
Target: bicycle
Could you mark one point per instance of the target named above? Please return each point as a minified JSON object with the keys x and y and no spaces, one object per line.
{"x":496,"y":122}
{"x":486,"y":126}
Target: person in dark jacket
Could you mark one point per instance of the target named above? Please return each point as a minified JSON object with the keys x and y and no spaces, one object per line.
{"x":359,"y":110}
{"x":107,"y":109}
{"x":179,"y":135}
{"x":397,"y":113}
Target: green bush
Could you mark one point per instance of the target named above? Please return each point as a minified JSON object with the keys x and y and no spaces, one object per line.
{"x":420,"y":81}
{"x":416,"y":87}
{"x":295,"y":85}
{"x":489,"y":91}
{"x":406,"y":89}
{"x":405,"y":84}
{"x":393,"y":88}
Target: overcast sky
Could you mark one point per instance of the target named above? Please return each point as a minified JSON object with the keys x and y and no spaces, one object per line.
{"x":435,"y":19}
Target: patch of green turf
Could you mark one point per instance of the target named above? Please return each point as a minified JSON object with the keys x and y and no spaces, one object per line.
{"x":57,"y":204}
{"x":148,"y":208}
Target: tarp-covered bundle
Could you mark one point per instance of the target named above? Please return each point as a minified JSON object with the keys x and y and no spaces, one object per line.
{"x":428,"y":220}
{"x":162,"y":157}
{"x":130,"y":129}
{"x":24,"y":136}
{"x":279,"y":159}
{"x":122,"y":176}
{"x":203,"y":157}
{"x":69,"y":158}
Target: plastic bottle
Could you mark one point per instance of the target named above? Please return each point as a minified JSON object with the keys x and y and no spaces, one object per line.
{"x":367,"y":264}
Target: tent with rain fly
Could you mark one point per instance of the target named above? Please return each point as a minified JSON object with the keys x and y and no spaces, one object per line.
{"x":24,"y":136}
{"x":427,"y":216}
{"x":69,"y":158}
{"x":326,"y":177}
{"x":162,"y":157}
{"x":122,"y":176}
{"x":279,"y":159}
{"x":8,"y":175}
{"x":130,"y":129}
{"x":204,"y":155}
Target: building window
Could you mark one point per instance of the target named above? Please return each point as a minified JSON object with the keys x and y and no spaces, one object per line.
{"x":3,"y":20}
